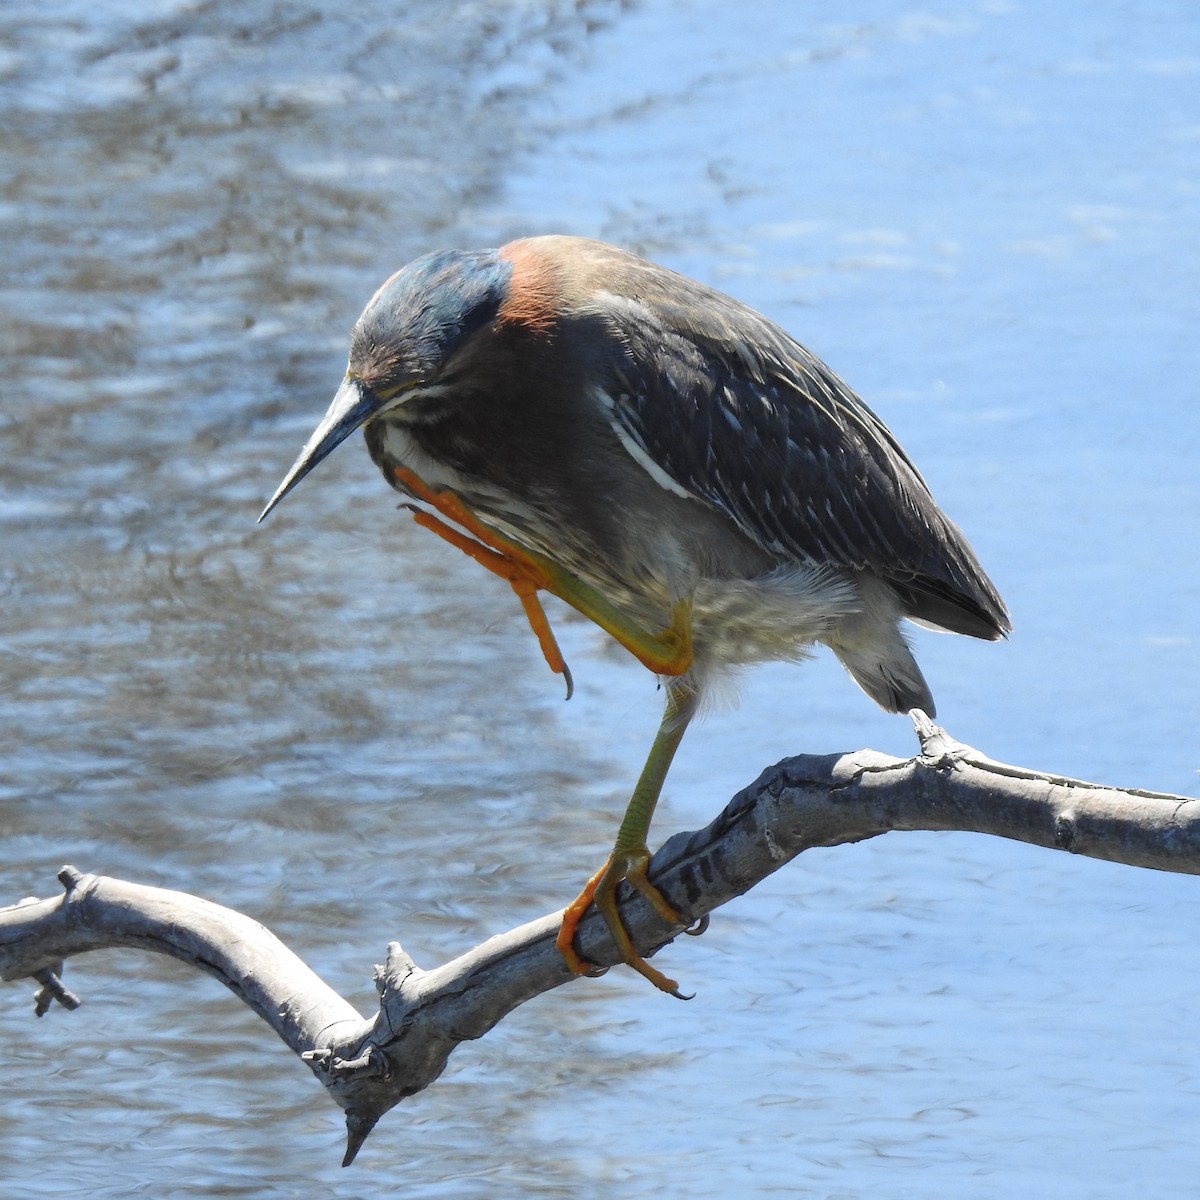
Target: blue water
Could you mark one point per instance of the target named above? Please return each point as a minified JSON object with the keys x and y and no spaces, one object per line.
{"x":984,"y":217}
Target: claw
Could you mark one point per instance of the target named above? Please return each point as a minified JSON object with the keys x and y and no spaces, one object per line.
{"x":601,"y":891}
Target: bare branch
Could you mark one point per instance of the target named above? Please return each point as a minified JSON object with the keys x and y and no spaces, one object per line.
{"x":369,"y":1065}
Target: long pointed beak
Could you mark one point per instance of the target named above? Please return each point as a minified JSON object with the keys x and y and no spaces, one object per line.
{"x":352,"y":406}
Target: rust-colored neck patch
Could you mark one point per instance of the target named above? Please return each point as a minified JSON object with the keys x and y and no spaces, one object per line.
{"x":534,"y":298}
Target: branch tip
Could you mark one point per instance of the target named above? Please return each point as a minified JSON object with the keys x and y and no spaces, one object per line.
{"x":399,"y":961}
{"x":923,"y":724}
{"x":398,"y":973}
{"x":938,"y":748}
{"x":358,"y":1129}
{"x":70,"y":877}
{"x":52,"y":990}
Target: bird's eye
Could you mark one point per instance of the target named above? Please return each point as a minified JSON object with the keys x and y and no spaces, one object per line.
{"x":388,"y":392}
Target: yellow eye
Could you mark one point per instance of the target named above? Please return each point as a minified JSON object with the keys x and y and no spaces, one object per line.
{"x":386,"y":394}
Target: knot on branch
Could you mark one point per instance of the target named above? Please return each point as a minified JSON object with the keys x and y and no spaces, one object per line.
{"x":938,"y":749}
{"x":1064,"y":831}
{"x":373,"y":1064}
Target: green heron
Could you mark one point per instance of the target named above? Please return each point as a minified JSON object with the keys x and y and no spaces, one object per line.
{"x":666,"y":461}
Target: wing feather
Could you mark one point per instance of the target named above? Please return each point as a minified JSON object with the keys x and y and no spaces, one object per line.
{"x":742,"y":417}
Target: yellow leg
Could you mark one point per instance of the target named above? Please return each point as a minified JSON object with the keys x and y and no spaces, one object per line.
{"x":630,"y":856}
{"x":527,"y":572}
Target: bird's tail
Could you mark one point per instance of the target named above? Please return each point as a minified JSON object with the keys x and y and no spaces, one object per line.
{"x":871,"y":647}
{"x":889,"y":675}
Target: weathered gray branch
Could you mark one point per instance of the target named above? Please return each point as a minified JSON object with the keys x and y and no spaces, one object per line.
{"x":369,"y":1064}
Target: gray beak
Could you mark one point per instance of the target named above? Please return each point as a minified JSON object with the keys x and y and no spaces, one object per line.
{"x":352,"y":407}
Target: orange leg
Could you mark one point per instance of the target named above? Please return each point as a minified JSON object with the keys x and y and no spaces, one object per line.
{"x":601,"y":890}
{"x":496,"y":554}
{"x":525,"y":581}
{"x":665,"y":653}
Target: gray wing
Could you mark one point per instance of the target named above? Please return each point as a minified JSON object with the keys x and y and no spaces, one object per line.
{"x":741,"y":416}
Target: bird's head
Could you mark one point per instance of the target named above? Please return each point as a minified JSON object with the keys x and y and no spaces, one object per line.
{"x":404,"y":346}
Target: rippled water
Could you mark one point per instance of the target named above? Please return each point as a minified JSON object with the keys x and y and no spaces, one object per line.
{"x":983,"y":216}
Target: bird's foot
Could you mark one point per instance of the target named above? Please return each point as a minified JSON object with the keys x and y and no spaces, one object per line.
{"x":668,"y":652}
{"x":499,"y":555}
{"x":601,"y":891}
